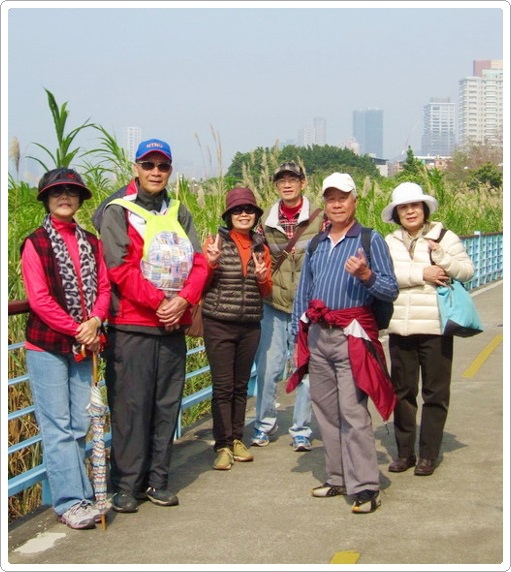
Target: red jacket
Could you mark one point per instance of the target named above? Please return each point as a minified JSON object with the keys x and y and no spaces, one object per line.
{"x":134,"y":299}
{"x":367,"y":357}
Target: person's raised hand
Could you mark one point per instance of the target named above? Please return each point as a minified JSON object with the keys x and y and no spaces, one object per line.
{"x":213,"y":249}
{"x":261,"y":270}
{"x":357,"y":266}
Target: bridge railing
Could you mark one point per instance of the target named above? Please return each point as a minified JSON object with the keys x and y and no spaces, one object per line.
{"x":484,"y":249}
{"x":29,"y":477}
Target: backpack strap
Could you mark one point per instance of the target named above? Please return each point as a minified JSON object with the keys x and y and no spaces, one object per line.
{"x":365,"y":237}
{"x":132,"y":207}
{"x":314,"y":241}
{"x":172,"y":209}
{"x":366,"y":243}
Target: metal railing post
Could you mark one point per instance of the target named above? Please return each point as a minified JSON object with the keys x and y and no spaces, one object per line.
{"x":479,"y":270}
{"x":45,"y":492}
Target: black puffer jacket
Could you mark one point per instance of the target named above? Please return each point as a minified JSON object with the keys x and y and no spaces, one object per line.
{"x":231,"y":296}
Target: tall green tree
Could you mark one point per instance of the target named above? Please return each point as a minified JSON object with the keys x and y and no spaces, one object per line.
{"x":488,"y":174}
{"x":412,"y":169}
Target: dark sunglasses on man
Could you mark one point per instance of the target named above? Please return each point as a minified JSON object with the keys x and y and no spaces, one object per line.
{"x":150,"y":165}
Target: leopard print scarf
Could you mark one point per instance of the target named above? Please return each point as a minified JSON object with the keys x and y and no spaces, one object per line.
{"x":79,"y":301}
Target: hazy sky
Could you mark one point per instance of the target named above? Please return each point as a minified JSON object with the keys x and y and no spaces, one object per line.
{"x":254,"y":72}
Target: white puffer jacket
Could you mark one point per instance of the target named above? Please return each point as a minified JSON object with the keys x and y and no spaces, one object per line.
{"x":416,"y":308}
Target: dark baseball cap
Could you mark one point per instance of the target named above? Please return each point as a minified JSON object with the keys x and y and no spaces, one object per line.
{"x":288,"y":167}
{"x":59,"y":177}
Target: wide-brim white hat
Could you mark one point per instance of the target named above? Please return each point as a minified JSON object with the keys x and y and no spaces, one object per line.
{"x":408,"y":193}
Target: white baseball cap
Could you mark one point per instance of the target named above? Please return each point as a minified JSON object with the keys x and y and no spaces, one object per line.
{"x":404,"y":194}
{"x":340,"y":181}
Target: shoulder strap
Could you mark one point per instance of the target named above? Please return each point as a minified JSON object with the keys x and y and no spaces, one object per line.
{"x":439,"y":239}
{"x":132,"y":207}
{"x":366,"y":242}
{"x":441,"y":235}
{"x":172,"y":210}
{"x":285,"y":253}
{"x":314,"y":241}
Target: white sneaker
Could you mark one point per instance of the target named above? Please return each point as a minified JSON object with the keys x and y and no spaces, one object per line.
{"x":80,"y":515}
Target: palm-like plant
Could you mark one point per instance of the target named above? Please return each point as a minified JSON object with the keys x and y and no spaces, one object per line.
{"x":63,"y":155}
{"x":113,"y":158}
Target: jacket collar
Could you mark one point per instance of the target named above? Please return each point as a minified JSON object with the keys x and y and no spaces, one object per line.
{"x":273,"y":216}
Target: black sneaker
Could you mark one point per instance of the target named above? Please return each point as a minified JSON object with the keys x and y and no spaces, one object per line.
{"x":366,"y":501}
{"x":162,"y":497}
{"x":124,"y":502}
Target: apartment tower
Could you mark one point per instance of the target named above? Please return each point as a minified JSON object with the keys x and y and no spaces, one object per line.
{"x":313,"y":134}
{"x":480,"y":117}
{"x":439,"y":134}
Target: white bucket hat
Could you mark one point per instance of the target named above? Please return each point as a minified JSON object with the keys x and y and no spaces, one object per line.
{"x":408,"y":193}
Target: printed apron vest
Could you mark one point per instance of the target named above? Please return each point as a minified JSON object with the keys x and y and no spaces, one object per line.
{"x":168,"y":253}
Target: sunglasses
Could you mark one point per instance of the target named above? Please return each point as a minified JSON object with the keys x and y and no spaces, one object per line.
{"x":59,"y":191}
{"x":150,"y":165}
{"x":249,"y":209}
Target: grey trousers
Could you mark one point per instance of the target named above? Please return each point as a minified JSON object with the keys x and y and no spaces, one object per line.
{"x":341,"y":411}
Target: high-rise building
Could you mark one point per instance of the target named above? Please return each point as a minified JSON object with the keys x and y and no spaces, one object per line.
{"x":319,"y":131}
{"x":438,"y":136}
{"x":132,"y":139}
{"x":306,"y":136}
{"x":480,"y":116}
{"x":368,"y":131}
{"x":313,"y":134}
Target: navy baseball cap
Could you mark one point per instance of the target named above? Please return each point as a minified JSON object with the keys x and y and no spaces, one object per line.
{"x":153,"y":146}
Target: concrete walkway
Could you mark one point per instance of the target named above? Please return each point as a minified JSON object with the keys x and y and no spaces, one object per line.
{"x":262,"y":513}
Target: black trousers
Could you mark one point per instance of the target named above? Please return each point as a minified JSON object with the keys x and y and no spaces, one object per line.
{"x":431,"y":357}
{"x":231,"y":348}
{"x":145,"y":376}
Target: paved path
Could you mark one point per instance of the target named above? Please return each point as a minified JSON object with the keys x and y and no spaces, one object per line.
{"x":262,"y":513}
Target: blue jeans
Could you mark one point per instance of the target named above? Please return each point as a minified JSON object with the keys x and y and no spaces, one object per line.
{"x":273,"y":355}
{"x":61,"y":391}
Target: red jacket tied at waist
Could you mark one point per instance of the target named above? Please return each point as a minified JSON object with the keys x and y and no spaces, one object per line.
{"x":366,"y":356}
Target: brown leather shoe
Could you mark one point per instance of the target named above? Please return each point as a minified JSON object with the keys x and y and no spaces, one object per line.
{"x":402,"y":464}
{"x":425,"y":467}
